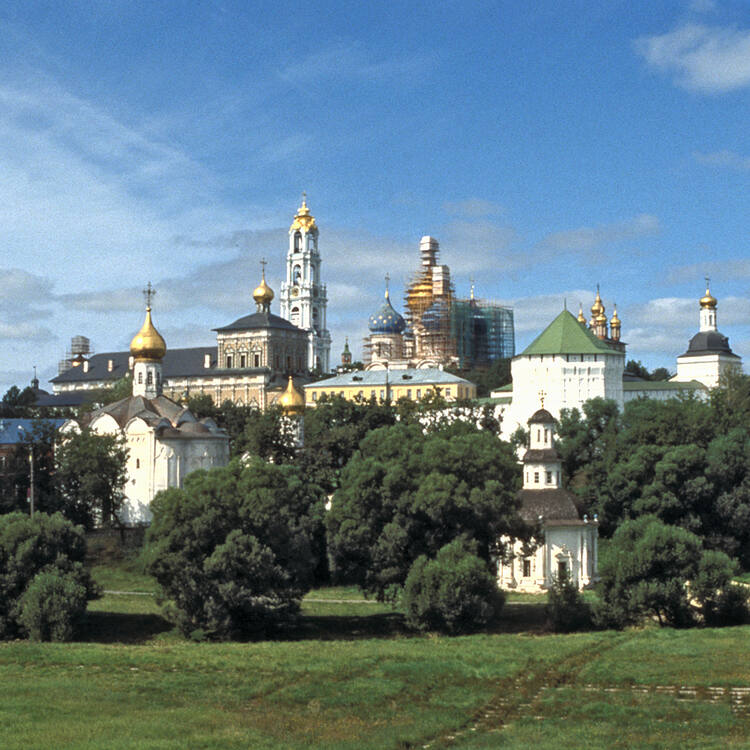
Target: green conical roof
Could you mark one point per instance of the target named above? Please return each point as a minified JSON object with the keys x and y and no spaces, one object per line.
{"x":565,"y":335}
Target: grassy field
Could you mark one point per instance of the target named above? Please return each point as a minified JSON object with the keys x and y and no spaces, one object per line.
{"x":350,"y":676}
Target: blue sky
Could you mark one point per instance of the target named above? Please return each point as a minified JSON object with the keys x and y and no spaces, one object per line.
{"x":548,"y":146}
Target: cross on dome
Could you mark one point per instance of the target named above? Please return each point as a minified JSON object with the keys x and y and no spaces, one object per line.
{"x":149,"y":293}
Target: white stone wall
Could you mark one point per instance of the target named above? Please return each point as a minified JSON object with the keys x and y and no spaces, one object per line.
{"x":707,"y":368}
{"x":576,"y":546}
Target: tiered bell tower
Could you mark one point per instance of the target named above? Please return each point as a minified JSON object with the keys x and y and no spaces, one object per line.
{"x":303,"y":297}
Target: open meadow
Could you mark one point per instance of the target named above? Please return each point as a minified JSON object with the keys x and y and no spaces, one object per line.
{"x":351,"y":676}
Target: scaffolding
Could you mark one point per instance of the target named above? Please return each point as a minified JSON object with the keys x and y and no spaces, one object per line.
{"x":483,"y":332}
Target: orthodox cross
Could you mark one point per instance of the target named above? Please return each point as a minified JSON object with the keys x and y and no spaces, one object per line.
{"x":542,"y":394}
{"x":149,"y":293}
{"x":263,"y":263}
{"x":708,"y":279}
{"x":387,"y":279}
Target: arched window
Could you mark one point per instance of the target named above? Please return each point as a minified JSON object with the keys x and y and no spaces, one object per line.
{"x":229,"y":361}
{"x":149,"y":378}
{"x":140,"y":378}
{"x":295,"y":316}
{"x":297,"y":275}
{"x":297,"y":242}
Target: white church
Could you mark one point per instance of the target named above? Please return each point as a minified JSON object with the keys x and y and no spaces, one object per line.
{"x":164,"y":439}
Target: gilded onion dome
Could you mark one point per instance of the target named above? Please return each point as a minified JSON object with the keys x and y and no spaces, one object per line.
{"x":291,"y":400}
{"x":581,"y":316}
{"x":614,"y":320}
{"x":419,"y":296}
{"x":708,"y":301}
{"x":303,"y":219}
{"x":385,"y":319}
{"x":263,"y":293}
{"x":148,"y":343}
{"x":598,"y":306}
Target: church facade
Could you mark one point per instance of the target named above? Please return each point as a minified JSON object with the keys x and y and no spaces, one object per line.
{"x":566,"y":544}
{"x":165,"y":441}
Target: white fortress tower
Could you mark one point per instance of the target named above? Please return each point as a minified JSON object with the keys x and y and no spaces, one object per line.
{"x":303,"y":297}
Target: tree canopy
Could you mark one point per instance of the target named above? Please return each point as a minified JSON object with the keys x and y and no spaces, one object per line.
{"x":407,"y":493}
{"x":233,"y":551}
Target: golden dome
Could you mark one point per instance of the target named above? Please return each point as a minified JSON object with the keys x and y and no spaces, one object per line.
{"x":614,"y":320}
{"x":601,"y":319}
{"x":303,"y":219}
{"x":419,"y":295}
{"x":148,"y":343}
{"x":581,"y":316}
{"x":263,"y":293}
{"x":597,"y":307}
{"x":708,"y":300}
{"x":291,"y":400}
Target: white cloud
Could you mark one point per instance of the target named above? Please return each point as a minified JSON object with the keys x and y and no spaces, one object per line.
{"x":350,"y":60}
{"x":586,"y":239}
{"x":707,"y":59}
{"x":715,"y":269}
{"x":473,"y":208}
{"x":725,"y":158}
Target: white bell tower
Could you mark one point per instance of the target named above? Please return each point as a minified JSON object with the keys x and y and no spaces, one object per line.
{"x":303,"y":297}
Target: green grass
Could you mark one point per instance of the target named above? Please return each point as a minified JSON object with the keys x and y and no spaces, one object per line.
{"x":351,"y":676}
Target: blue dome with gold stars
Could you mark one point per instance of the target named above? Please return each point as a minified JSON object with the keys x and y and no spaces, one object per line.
{"x":386,"y":319}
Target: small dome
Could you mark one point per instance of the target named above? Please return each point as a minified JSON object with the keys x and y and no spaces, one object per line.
{"x":386,"y":319}
{"x":614,"y":320}
{"x":303,"y":219}
{"x":541,"y":416}
{"x":291,"y":400}
{"x":263,"y":293}
{"x":708,"y":301}
{"x":148,"y":343}
{"x":581,"y":316}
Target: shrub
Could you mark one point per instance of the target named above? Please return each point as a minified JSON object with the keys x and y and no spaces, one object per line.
{"x":47,"y":545}
{"x":566,"y":609}
{"x":52,"y":605}
{"x":453,"y":593}
{"x":729,"y":608}
{"x":232,"y":550}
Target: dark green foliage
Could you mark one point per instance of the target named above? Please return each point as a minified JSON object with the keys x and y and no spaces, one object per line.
{"x":406,"y":493}
{"x":90,"y":473}
{"x":41,"y":557}
{"x":52,"y":605}
{"x":233,"y":550}
{"x":486,"y":379}
{"x":653,"y":569}
{"x":566,"y":609}
{"x":453,"y":593}
{"x":17,"y":403}
{"x":636,"y":368}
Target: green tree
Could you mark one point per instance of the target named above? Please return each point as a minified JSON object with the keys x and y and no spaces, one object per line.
{"x":405,"y":493}
{"x":90,"y":473}
{"x":266,"y":434}
{"x":43,"y":583}
{"x":233,"y":550}
{"x":653,"y":569}
{"x":17,"y":403}
{"x":453,"y":593}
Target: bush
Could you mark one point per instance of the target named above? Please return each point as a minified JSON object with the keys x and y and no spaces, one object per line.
{"x":566,"y":609}
{"x":729,"y":608}
{"x":41,"y":556}
{"x":653,"y":569}
{"x":52,"y":605}
{"x":232,"y":550}
{"x":453,"y":593}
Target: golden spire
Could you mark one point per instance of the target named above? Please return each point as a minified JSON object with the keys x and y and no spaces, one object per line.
{"x":148,"y":343}
{"x":263,"y":293}
{"x":303,"y":219}
{"x":387,"y":279}
{"x":581,"y":316}
{"x":708,"y":300}
{"x":291,"y":400}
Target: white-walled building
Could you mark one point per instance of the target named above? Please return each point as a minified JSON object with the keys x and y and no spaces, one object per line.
{"x":164,"y":439}
{"x":303,"y":295}
{"x":566,"y":365}
{"x":568,"y":542}
{"x":708,"y":357}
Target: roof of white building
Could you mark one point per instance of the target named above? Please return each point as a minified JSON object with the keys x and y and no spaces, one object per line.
{"x":565,"y":335}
